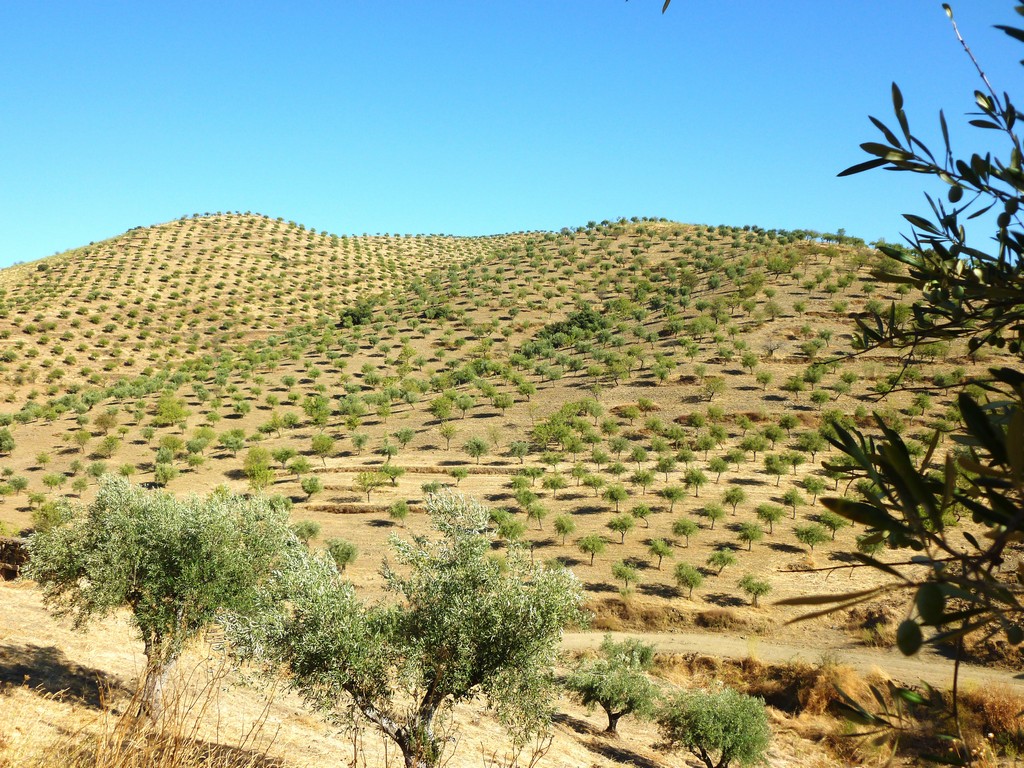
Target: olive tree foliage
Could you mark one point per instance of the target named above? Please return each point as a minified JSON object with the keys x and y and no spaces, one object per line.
{"x":719,"y":727}
{"x":972,"y":296}
{"x":463,"y":625}
{"x":617,"y":680}
{"x":176,"y":565}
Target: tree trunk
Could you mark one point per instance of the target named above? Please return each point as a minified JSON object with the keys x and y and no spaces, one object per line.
{"x":415,"y":738}
{"x":155,"y":687}
{"x":613,"y":722}
{"x":418,"y":745}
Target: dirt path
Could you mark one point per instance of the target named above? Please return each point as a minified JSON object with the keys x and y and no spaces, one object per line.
{"x":926,"y":666}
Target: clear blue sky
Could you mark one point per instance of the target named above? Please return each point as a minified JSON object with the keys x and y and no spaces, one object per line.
{"x":470,"y":116}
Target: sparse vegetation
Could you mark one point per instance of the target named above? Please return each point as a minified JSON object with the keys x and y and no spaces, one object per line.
{"x":678,"y":426}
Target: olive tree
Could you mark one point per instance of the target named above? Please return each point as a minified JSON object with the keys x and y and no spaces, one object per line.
{"x":754,"y":587}
{"x":688,"y":576}
{"x":176,"y":565}
{"x":811,"y":534}
{"x":719,"y":726}
{"x":617,"y":681}
{"x":462,"y":625}
{"x":592,"y":545}
{"x":342,"y":553}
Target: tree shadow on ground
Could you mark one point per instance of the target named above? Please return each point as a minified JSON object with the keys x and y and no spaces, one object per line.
{"x":844,"y":557}
{"x":661,"y":590}
{"x":47,"y":669}
{"x":787,"y":548}
{"x":589,"y":509}
{"x":746,"y":481}
{"x":724,"y":599}
{"x":620,"y":754}
{"x":581,"y":727}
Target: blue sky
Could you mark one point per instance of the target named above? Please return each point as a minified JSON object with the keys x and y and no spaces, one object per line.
{"x":471,"y":117}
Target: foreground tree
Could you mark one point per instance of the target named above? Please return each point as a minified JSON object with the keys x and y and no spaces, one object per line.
{"x":719,"y":727}
{"x":176,"y":565}
{"x":464,"y":625}
{"x":617,"y":681}
{"x":971,"y":296}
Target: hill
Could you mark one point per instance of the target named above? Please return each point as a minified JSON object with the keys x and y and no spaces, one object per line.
{"x":628,"y":396}
{"x":614,"y":364}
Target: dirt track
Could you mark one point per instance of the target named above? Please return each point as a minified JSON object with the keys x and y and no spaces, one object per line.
{"x":926,"y":666}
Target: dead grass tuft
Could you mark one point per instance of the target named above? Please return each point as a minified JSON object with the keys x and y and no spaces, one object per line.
{"x":721,"y":619}
{"x":994,"y":651}
{"x":617,"y":615}
{"x":995,"y":713}
{"x":190,"y":732}
{"x":797,"y":688}
{"x":874,"y":624}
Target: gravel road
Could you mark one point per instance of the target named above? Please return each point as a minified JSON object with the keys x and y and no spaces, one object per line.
{"x":926,"y":666}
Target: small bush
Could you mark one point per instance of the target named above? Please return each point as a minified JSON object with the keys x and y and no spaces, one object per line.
{"x":718,"y":726}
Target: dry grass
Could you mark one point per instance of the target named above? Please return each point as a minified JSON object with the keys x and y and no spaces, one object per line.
{"x":722,"y":619}
{"x":874,"y":624}
{"x":618,"y":614}
{"x":796,"y":688}
{"x":192,"y":730}
{"x":994,"y":714}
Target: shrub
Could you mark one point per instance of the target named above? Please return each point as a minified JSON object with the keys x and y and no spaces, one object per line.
{"x":719,"y":727}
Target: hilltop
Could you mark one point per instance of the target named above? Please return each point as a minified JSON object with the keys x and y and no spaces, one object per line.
{"x":156,"y":297}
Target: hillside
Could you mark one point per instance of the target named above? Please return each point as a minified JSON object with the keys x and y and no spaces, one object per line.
{"x":655,"y":391}
{"x":156,"y":297}
{"x":634,"y":356}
